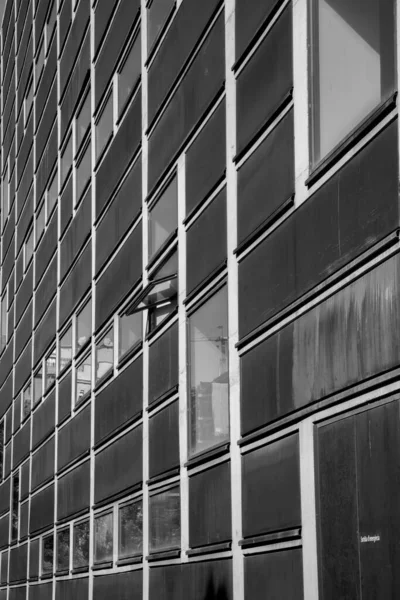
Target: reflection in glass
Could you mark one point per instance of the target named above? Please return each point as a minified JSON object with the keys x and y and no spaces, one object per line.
{"x":83,"y":120}
{"x":157,"y":16}
{"x":39,"y":62}
{"x":66,"y":160}
{"x":66,"y":348}
{"x":208,"y":359}
{"x":83,"y":171}
{"x":353,"y":66}
{"x":83,"y":326}
{"x":1,"y":448}
{"x":129,"y":74}
{"x":47,"y":554}
{"x":37,"y":386}
{"x":28,"y":102}
{"x":83,"y":378}
{"x":40,"y":222}
{"x":104,"y":126}
{"x":51,"y":22}
{"x":29,"y":248}
{"x":15,"y":506}
{"x":80,"y":550}
{"x":3,"y":321}
{"x":165,"y":520}
{"x":103,"y":538}
{"x":50,"y":369}
{"x":163,"y":217}
{"x":52,"y":195}
{"x":130,"y":332}
{"x":26,"y":400}
{"x":63,"y":550}
{"x":105,"y":353}
{"x":130,"y":520}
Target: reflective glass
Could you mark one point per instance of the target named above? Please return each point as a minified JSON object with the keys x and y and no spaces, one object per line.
{"x":1,"y":448}
{"x":130,"y":520}
{"x":129,"y":74}
{"x":208,"y":374}
{"x":103,"y":538}
{"x":83,"y":171}
{"x":28,"y":249}
{"x":104,"y":126}
{"x":15,"y":506}
{"x":83,"y":378}
{"x":83,"y":120}
{"x":130,"y":332}
{"x":52,"y":195}
{"x":3,"y":322}
{"x":40,"y":222}
{"x":37,"y":386}
{"x":66,"y":160}
{"x":163,"y":217}
{"x":105,"y":353}
{"x":63,"y":550}
{"x":50,"y":369}
{"x":83,"y":326}
{"x":80,"y":550}
{"x":48,"y":554}
{"x":66,"y":348}
{"x":39,"y":62}
{"x":165,"y":520}
{"x":26,"y":400}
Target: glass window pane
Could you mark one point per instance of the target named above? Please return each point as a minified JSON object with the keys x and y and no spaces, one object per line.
{"x":28,"y":249}
{"x":66,"y":160}
{"x":130,"y":332}
{"x":208,"y":356}
{"x":104,"y":126}
{"x":83,"y":171}
{"x":1,"y":449}
{"x":52,"y":195}
{"x":83,"y":120}
{"x":130,"y":529}
{"x":66,"y":348}
{"x":40,"y":222}
{"x":160,"y":313}
{"x":3,"y":322}
{"x":48,"y":554}
{"x":165,"y":520}
{"x":50,"y":369}
{"x":15,"y":507}
{"x":83,"y":326}
{"x":51,"y":22}
{"x":83,"y":378}
{"x":163,"y":217}
{"x":28,"y":101}
{"x":63,"y":550}
{"x":353,"y":55}
{"x":129,"y":74}
{"x":26,"y":400}
{"x":157,"y":14}
{"x":80,"y":550}
{"x":105,"y":353}
{"x":103,"y":538}
{"x":37,"y":386}
{"x":39,"y":62}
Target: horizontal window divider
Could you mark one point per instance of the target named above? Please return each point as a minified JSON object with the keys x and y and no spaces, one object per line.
{"x":17,"y":581}
{"x":391,"y":240}
{"x":129,"y":560}
{"x":209,"y":454}
{"x":135,"y":22}
{"x":77,"y":54}
{"x":281,"y":109}
{"x":120,"y":429}
{"x":128,"y":101}
{"x":72,"y":463}
{"x":80,"y":570}
{"x":83,"y":400}
{"x":196,"y":303}
{"x":104,"y":379}
{"x":135,"y":351}
{"x":129,"y":490}
{"x":206,"y":281}
{"x":33,"y":579}
{"x":42,"y":483}
{"x":198,"y":209}
{"x":211,"y":549}
{"x":152,"y":51}
{"x":40,"y":531}
{"x":75,"y":515}
{"x":46,"y":576}
{"x":264,"y":25}
{"x":271,"y":538}
{"x":361,"y":130}
{"x":163,"y":398}
{"x":163,"y":476}
{"x":167,"y":554}
{"x":61,"y":573}
{"x":358,"y":410}
{"x":165,"y":248}
{"x":160,"y":329}
{"x":102,"y":565}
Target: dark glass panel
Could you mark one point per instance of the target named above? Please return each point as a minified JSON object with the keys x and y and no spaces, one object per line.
{"x":130,"y":536}
{"x":103,"y":538}
{"x":80,"y":551}
{"x":63,"y":549}
{"x":47,"y":554}
{"x":165,"y":520}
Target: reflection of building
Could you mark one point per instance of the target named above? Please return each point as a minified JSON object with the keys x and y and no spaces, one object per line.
{"x":199,"y":300}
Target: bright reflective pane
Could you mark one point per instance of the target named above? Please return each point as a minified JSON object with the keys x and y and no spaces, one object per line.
{"x":130,"y":529}
{"x":209,"y":395}
{"x":80,"y":550}
{"x":165,"y":522}
{"x":83,"y":120}
{"x":103,"y":538}
{"x":83,"y":171}
{"x":130,"y":332}
{"x":26,"y":400}
{"x":28,"y":249}
{"x":66,"y":348}
{"x":83,"y":325}
{"x":48,"y":554}
{"x":50,"y":369}
{"x":37,"y":386}
{"x":15,"y":507}
{"x":104,"y":126}
{"x":105,"y":353}
{"x":63,"y":550}
{"x":66,"y":160}
{"x":39,"y":62}
{"x":129,"y":74}
{"x":163,"y":217}
{"x":83,"y":378}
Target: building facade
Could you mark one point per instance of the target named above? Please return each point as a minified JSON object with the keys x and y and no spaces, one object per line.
{"x":200,"y":300}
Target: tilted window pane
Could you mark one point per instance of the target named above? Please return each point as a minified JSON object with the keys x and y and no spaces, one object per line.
{"x":51,"y":22}
{"x":50,"y":369}
{"x":83,"y":378}
{"x":66,"y":160}
{"x":353,"y":66}
{"x":130,"y":529}
{"x":208,"y":359}
{"x":80,"y":550}
{"x":52,"y":195}
{"x":40,"y":222}
{"x":66,"y":348}
{"x":1,"y":449}
{"x":15,"y":507}
{"x":103,"y":538}
{"x":130,"y":332}
{"x":163,"y":217}
{"x":37,"y":386}
{"x":104,"y":126}
{"x":165,"y":520}
{"x":83,"y":120}
{"x":39,"y":62}
{"x":105,"y":353}
{"x":28,"y":249}
{"x":83,"y":171}
{"x":63,"y":550}
{"x":3,"y":322}
{"x":48,"y":554}
{"x":129,"y":74}
{"x":26,"y":401}
{"x":83,"y":325}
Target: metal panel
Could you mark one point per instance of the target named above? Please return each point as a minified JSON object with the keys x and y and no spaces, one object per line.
{"x":74,"y":438}
{"x":274,"y":575}
{"x":164,"y":440}
{"x":73,"y":494}
{"x":43,"y":420}
{"x":42,"y":510}
{"x":124,"y":586}
{"x":163,"y":364}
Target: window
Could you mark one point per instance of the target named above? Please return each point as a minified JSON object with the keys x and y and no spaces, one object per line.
{"x":208,"y":374}
{"x":103,"y":538}
{"x":129,"y":74}
{"x":105,"y":353}
{"x":50,"y":369}
{"x":165,"y":520}
{"x":130,"y":520}
{"x":50,"y":24}
{"x":83,"y":383}
{"x":66,"y":160}
{"x":129,"y":332}
{"x":6,"y":195}
{"x":40,"y":222}
{"x":51,"y":196}
{"x":47,"y":554}
{"x":353,"y":66}
{"x":163,"y":218}
{"x":66,"y":348}
{"x":81,"y":541}
{"x":63,"y":550}
{"x":1,"y":449}
{"x":104,"y":125}
{"x":28,"y":102}
{"x":4,"y":321}
{"x":83,"y":326}
{"x":15,"y":507}
{"x":37,"y":386}
{"x":82,"y":121}
{"x":83,"y":171}
{"x":28,"y":249}
{"x":39,"y":62}
{"x":26,"y":400}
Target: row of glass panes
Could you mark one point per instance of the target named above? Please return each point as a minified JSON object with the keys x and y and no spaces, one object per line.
{"x":43,"y":44}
